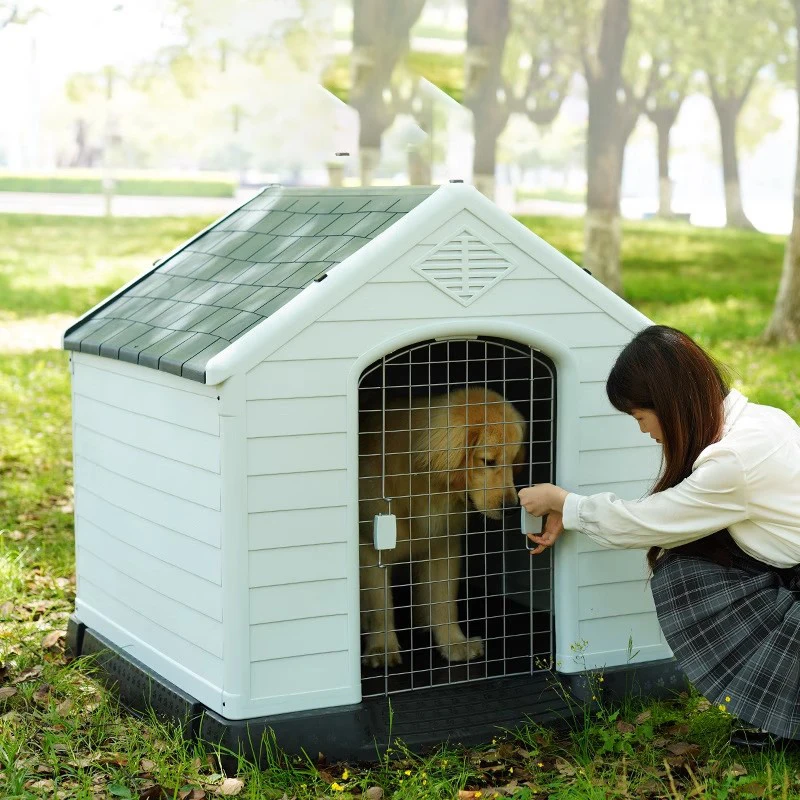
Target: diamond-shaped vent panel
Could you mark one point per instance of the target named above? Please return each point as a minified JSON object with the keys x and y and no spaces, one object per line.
{"x":464,"y":267}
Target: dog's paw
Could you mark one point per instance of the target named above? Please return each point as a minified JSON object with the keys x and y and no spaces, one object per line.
{"x":380,"y":652}
{"x":463,"y":651}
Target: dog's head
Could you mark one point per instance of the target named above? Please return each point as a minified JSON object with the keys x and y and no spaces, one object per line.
{"x":475,"y":442}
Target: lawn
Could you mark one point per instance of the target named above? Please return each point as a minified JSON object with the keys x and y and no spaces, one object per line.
{"x":61,"y":735}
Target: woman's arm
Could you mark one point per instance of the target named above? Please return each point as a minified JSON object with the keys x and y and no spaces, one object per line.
{"x":711,"y":498}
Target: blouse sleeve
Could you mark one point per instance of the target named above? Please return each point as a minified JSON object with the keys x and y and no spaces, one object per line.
{"x":711,"y":498}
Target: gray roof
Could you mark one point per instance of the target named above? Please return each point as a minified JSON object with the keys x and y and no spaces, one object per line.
{"x":232,"y":276}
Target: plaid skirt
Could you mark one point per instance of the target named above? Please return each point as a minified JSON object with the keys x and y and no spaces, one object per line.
{"x":735,"y":632}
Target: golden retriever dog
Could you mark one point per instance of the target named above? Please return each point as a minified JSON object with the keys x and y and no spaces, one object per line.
{"x":441,"y":456}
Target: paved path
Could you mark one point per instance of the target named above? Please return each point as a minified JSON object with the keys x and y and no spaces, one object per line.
{"x":34,"y":333}
{"x":91,"y":205}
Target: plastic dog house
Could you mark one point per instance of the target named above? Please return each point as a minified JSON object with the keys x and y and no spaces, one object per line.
{"x":216,"y":422}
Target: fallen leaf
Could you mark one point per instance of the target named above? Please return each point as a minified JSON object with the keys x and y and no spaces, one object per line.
{"x":6,"y":609}
{"x":564,"y":767}
{"x":677,"y":730}
{"x":6,"y":692}
{"x":736,"y":770}
{"x":156,"y":792}
{"x":42,"y":693}
{"x":42,"y":784}
{"x":373,"y":793}
{"x":147,"y":765}
{"x":684,"y":749}
{"x":625,"y":727}
{"x":756,"y":788}
{"x":193,"y":794}
{"x":15,"y":536}
{"x":117,"y":759}
{"x":703,"y":705}
{"x":230,"y":787}
{"x":326,"y":776}
{"x":27,"y":674}
{"x":44,"y":769}
{"x":64,"y":707}
{"x":52,"y":639}
{"x":469,"y":794}
{"x":660,"y":742}
{"x":643,"y":717}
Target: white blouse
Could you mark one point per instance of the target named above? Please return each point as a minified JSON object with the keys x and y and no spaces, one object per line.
{"x":748,"y":482}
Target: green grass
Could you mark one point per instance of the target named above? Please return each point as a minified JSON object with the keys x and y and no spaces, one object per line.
{"x":61,"y":735}
{"x":562,"y":195}
{"x":91,"y":182}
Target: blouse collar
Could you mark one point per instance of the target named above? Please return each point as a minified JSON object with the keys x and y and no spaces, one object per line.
{"x":733,"y":406}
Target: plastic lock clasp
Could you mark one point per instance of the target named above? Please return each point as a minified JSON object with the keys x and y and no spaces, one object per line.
{"x":530,"y":524}
{"x":384,"y":532}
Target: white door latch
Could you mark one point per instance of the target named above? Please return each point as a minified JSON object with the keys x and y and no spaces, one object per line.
{"x":384,"y":532}
{"x":530,"y":524}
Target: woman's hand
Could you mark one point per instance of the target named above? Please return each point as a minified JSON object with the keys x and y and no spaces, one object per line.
{"x":544,"y":498}
{"x":553,"y":528}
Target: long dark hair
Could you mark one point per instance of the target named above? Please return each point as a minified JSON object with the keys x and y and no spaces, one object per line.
{"x":664,"y":370}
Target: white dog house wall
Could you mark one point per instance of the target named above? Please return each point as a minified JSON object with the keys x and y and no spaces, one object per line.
{"x":216,"y":403}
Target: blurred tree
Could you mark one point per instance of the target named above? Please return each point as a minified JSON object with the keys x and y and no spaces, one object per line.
{"x":784,"y":326}
{"x":612,"y":115}
{"x":661,"y":31}
{"x":488,"y":24}
{"x":380,"y":39}
{"x":732,"y":43}
{"x":16,"y":13}
{"x":519,"y":60}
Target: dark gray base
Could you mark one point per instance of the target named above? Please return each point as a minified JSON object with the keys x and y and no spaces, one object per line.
{"x":467,"y":714}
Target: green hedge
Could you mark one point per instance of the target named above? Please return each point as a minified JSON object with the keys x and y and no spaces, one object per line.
{"x":165,"y":187}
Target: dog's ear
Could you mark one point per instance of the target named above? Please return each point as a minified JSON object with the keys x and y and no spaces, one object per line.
{"x":442,"y":448}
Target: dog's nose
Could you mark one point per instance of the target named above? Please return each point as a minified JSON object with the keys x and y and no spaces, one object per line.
{"x":510,"y":503}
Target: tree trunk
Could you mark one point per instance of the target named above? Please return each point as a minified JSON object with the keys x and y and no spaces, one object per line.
{"x":728,"y":109}
{"x":380,"y":38}
{"x":488,"y":23}
{"x":605,"y":147}
{"x":784,"y":326}
{"x":664,"y":118}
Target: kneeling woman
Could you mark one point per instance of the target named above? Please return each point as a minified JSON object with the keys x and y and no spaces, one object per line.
{"x":722,"y":525}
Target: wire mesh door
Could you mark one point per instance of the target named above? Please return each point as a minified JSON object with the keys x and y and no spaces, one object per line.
{"x":449,"y":431}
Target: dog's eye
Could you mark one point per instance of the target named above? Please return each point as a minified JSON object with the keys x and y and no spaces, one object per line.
{"x":490,"y":462}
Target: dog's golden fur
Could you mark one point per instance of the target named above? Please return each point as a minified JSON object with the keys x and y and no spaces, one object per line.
{"x":441,"y":456}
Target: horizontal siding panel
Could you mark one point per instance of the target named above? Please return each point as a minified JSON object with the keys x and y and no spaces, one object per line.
{"x":298,"y":637}
{"x":146,"y":433}
{"x":302,"y":415}
{"x":298,"y":490}
{"x":614,"y":599}
{"x":299,"y":601}
{"x":618,"y":464}
{"x":346,"y":339}
{"x":273,"y":529}
{"x":317,"y":452}
{"x":611,"y":566}
{"x":594,"y":363}
{"x":300,"y":674}
{"x":276,"y":379}
{"x":148,"y":399}
{"x":602,"y":433}
{"x":297,"y":564}
{"x":167,"y":545}
{"x":142,"y":374}
{"x":198,"y":660}
{"x":643,"y":628}
{"x":593,"y":400}
{"x":627,"y":490}
{"x":166,"y":579}
{"x":190,"y":519}
{"x":396,"y":300}
{"x":161,"y":610}
{"x":172,"y":477}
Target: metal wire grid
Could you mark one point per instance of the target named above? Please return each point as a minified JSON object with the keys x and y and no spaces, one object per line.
{"x":505,"y":595}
